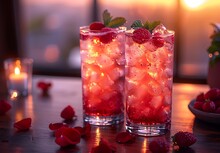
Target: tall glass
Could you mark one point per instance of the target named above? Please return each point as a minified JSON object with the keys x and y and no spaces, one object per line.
{"x":148,"y":82}
{"x":102,"y":71}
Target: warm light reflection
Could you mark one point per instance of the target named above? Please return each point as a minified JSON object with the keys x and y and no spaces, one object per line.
{"x":19,"y":115}
{"x":97,"y":136}
{"x":17,"y":71}
{"x":194,"y":3}
{"x":14,"y":95}
{"x":29,"y":106}
{"x":144,"y":146}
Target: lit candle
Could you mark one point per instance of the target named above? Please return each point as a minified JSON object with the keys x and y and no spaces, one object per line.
{"x":18,"y":80}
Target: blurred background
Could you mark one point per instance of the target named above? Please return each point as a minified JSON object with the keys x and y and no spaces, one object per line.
{"x":48,"y":31}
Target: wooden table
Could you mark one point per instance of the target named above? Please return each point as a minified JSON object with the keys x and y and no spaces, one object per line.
{"x":67,"y":91}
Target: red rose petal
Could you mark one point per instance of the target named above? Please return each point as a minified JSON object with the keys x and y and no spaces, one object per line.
{"x":124,"y":137}
{"x":23,"y":124}
{"x":4,"y":107}
{"x":84,"y":131}
{"x":68,"y":113}
{"x":56,"y":126}
{"x":104,"y":146}
{"x":66,"y":136}
{"x":44,"y":86}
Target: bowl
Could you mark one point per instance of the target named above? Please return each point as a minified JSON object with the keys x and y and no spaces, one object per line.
{"x":204,"y":116}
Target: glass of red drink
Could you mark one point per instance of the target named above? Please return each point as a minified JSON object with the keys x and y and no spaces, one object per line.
{"x":102,"y":71}
{"x":148,"y":80}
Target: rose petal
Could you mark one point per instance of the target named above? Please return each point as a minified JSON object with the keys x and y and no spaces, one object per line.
{"x":56,"y":126}
{"x":23,"y":124}
{"x":66,"y":136}
{"x":44,"y":86}
{"x":4,"y":107}
{"x":124,"y":137}
{"x":84,"y":131}
{"x":68,"y":113}
{"x":104,"y":147}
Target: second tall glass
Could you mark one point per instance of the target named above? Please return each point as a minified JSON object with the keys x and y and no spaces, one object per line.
{"x":148,"y":85}
{"x":102,"y":71}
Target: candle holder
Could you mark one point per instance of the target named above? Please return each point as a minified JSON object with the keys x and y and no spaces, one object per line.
{"x":18,"y":76}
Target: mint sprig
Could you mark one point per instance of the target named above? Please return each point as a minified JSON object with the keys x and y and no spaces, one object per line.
{"x":111,"y":22}
{"x":214,"y":48}
{"x":147,"y":25}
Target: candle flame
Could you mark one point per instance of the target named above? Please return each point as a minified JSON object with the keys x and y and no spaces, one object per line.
{"x":17,"y":71}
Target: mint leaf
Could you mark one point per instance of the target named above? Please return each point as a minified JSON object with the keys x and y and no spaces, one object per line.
{"x":137,"y":24}
{"x":106,"y":17}
{"x":151,"y":25}
{"x":116,"y":22}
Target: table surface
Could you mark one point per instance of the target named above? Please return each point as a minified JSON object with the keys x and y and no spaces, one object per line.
{"x":67,"y":91}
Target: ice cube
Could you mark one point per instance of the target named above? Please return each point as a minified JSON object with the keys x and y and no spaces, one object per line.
{"x":104,"y":61}
{"x":154,"y":87}
{"x":116,"y":73}
{"x":136,"y":74}
{"x":156,"y":102}
{"x":160,"y":29}
{"x":94,"y":88}
{"x":105,"y":81}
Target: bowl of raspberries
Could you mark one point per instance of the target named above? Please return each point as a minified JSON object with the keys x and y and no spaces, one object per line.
{"x":206,"y":106}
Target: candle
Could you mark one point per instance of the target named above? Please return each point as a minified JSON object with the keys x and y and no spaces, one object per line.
{"x":18,"y":80}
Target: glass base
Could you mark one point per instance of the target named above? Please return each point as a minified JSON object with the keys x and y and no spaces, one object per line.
{"x":148,"y":130}
{"x":104,"y":120}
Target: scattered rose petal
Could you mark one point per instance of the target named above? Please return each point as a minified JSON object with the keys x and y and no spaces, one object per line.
{"x":23,"y":124}
{"x":84,"y":131}
{"x":4,"y":107}
{"x":104,"y":147}
{"x":66,"y":136}
{"x":68,"y":113}
{"x":44,"y":86}
{"x":124,"y":137}
{"x":56,"y":126}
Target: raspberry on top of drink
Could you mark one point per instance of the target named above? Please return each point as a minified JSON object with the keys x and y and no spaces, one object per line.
{"x":107,"y":27}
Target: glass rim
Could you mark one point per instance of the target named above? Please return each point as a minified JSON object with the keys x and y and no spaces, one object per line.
{"x":170,"y":33}
{"x":87,"y":31}
{"x":22,"y":60}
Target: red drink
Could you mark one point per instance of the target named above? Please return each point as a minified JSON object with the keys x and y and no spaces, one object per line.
{"x":149,"y":76}
{"x":102,"y":68}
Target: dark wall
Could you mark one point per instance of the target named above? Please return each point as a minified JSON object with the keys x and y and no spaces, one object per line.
{"x":8,"y":36}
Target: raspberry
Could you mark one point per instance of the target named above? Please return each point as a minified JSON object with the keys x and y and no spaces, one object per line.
{"x":141,"y":35}
{"x":208,"y":106}
{"x":107,"y":38}
{"x":96,"y":26}
{"x":200,"y":97}
{"x":184,"y":139}
{"x":158,"y":41}
{"x":212,"y":94}
{"x":159,"y":146}
{"x":198,"y":105}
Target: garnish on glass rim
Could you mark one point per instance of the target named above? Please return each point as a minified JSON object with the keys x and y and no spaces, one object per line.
{"x":147,"y":25}
{"x":109,"y":23}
